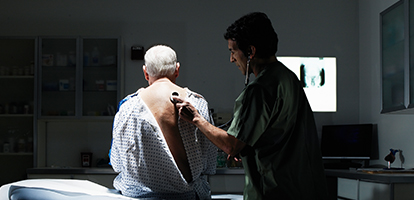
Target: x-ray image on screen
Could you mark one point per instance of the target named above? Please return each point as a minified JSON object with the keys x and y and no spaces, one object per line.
{"x":312,"y":73}
{"x":318,"y":78}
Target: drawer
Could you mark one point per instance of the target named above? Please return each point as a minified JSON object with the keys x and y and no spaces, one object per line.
{"x":348,"y":188}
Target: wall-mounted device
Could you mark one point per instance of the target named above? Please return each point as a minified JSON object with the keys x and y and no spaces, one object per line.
{"x":86,"y":159}
{"x":137,"y":53}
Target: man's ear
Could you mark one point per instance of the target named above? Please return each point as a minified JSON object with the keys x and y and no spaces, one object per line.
{"x":144,"y":69}
{"x":252,"y":51}
{"x":177,"y":70}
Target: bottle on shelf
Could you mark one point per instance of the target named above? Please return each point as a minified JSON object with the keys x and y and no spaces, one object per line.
{"x":6,"y":147}
{"x":21,"y":145}
{"x":95,"y":57}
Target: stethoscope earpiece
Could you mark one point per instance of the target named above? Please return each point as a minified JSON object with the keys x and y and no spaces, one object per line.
{"x":246,"y":81}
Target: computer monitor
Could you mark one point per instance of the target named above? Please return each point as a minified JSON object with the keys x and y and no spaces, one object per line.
{"x":347,"y":142}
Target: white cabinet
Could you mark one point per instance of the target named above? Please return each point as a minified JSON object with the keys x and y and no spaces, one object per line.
{"x":393,"y":59}
{"x":397,"y":58}
{"x":227,"y":184}
{"x":404,"y":191}
{"x":17,"y":106}
{"x":58,"y":78}
{"x":55,"y":78}
{"x":363,"y":190}
{"x":79,"y":77}
{"x":227,"y":181}
{"x":100,"y":76}
{"x":357,"y":189}
{"x":377,"y":191}
{"x":79,"y":89}
{"x":348,"y":188}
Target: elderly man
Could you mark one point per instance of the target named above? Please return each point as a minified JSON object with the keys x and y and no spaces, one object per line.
{"x":157,"y":154}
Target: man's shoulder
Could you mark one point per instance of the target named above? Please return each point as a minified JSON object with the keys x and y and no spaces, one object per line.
{"x":275,"y":73}
{"x":128,"y":99}
{"x":191,"y":93}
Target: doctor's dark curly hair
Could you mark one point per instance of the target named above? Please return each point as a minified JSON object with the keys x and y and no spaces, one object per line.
{"x":254,"y":29}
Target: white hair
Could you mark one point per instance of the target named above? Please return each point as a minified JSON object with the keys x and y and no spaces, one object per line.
{"x":160,"y":60}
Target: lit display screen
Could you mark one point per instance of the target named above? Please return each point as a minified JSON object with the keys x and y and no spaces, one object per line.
{"x":318,"y":77}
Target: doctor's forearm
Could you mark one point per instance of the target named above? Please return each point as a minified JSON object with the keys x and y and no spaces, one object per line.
{"x":228,"y":143}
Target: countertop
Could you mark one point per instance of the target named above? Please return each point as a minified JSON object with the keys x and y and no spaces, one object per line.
{"x":374,"y":174}
{"x":71,"y":170}
{"x":110,"y":171}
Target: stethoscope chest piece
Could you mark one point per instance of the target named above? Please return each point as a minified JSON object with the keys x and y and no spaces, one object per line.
{"x":171,"y":97}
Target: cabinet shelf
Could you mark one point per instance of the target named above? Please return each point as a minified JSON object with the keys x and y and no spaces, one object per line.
{"x":99,"y":91}
{"x":17,"y":154}
{"x":100,"y":66}
{"x":393,"y":76}
{"x":58,"y":91}
{"x":16,"y":77}
{"x":89,"y":90}
{"x":16,"y":115}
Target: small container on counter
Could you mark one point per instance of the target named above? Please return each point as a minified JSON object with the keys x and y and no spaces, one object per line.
{"x":86,"y":159}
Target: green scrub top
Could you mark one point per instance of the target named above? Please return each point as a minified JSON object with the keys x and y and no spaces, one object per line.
{"x":282,"y":158}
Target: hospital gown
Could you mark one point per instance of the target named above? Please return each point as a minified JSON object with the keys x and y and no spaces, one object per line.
{"x":145,"y":164}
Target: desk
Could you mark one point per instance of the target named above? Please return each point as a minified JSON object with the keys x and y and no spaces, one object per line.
{"x":375,"y":184}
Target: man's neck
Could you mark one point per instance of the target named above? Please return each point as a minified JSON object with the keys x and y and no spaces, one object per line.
{"x":259,"y":64}
{"x":159,"y":80}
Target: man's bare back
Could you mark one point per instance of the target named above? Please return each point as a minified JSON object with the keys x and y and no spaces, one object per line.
{"x":157,"y":98}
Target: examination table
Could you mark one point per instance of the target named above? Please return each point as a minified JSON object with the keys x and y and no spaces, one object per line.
{"x":70,"y":189}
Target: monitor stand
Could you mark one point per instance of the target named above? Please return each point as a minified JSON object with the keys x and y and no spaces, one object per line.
{"x":342,"y":164}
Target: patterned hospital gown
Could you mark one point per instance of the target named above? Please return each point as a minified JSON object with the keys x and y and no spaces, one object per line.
{"x":145,"y":164}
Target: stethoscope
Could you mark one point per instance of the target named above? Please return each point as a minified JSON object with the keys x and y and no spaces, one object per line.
{"x":246,"y":82}
{"x":189,"y":113}
{"x":227,"y":124}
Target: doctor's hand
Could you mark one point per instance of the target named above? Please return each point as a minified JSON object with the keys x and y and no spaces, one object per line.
{"x":187,"y":111}
{"x":235,"y":158}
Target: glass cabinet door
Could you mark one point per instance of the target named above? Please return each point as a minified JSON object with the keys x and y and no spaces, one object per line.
{"x":58,"y":75}
{"x":411,"y":47}
{"x":393,"y":58}
{"x":17,"y":107}
{"x":79,"y":76}
{"x":17,"y":57}
{"x":100,"y":76}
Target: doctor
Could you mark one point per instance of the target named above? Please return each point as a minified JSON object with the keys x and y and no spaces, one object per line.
{"x":273,"y":128}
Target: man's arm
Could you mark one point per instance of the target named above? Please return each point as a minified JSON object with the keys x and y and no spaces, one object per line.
{"x":219,"y":137}
{"x":114,"y":151}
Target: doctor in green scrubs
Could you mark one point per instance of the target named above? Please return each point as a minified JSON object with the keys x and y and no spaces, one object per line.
{"x":273,"y":128}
